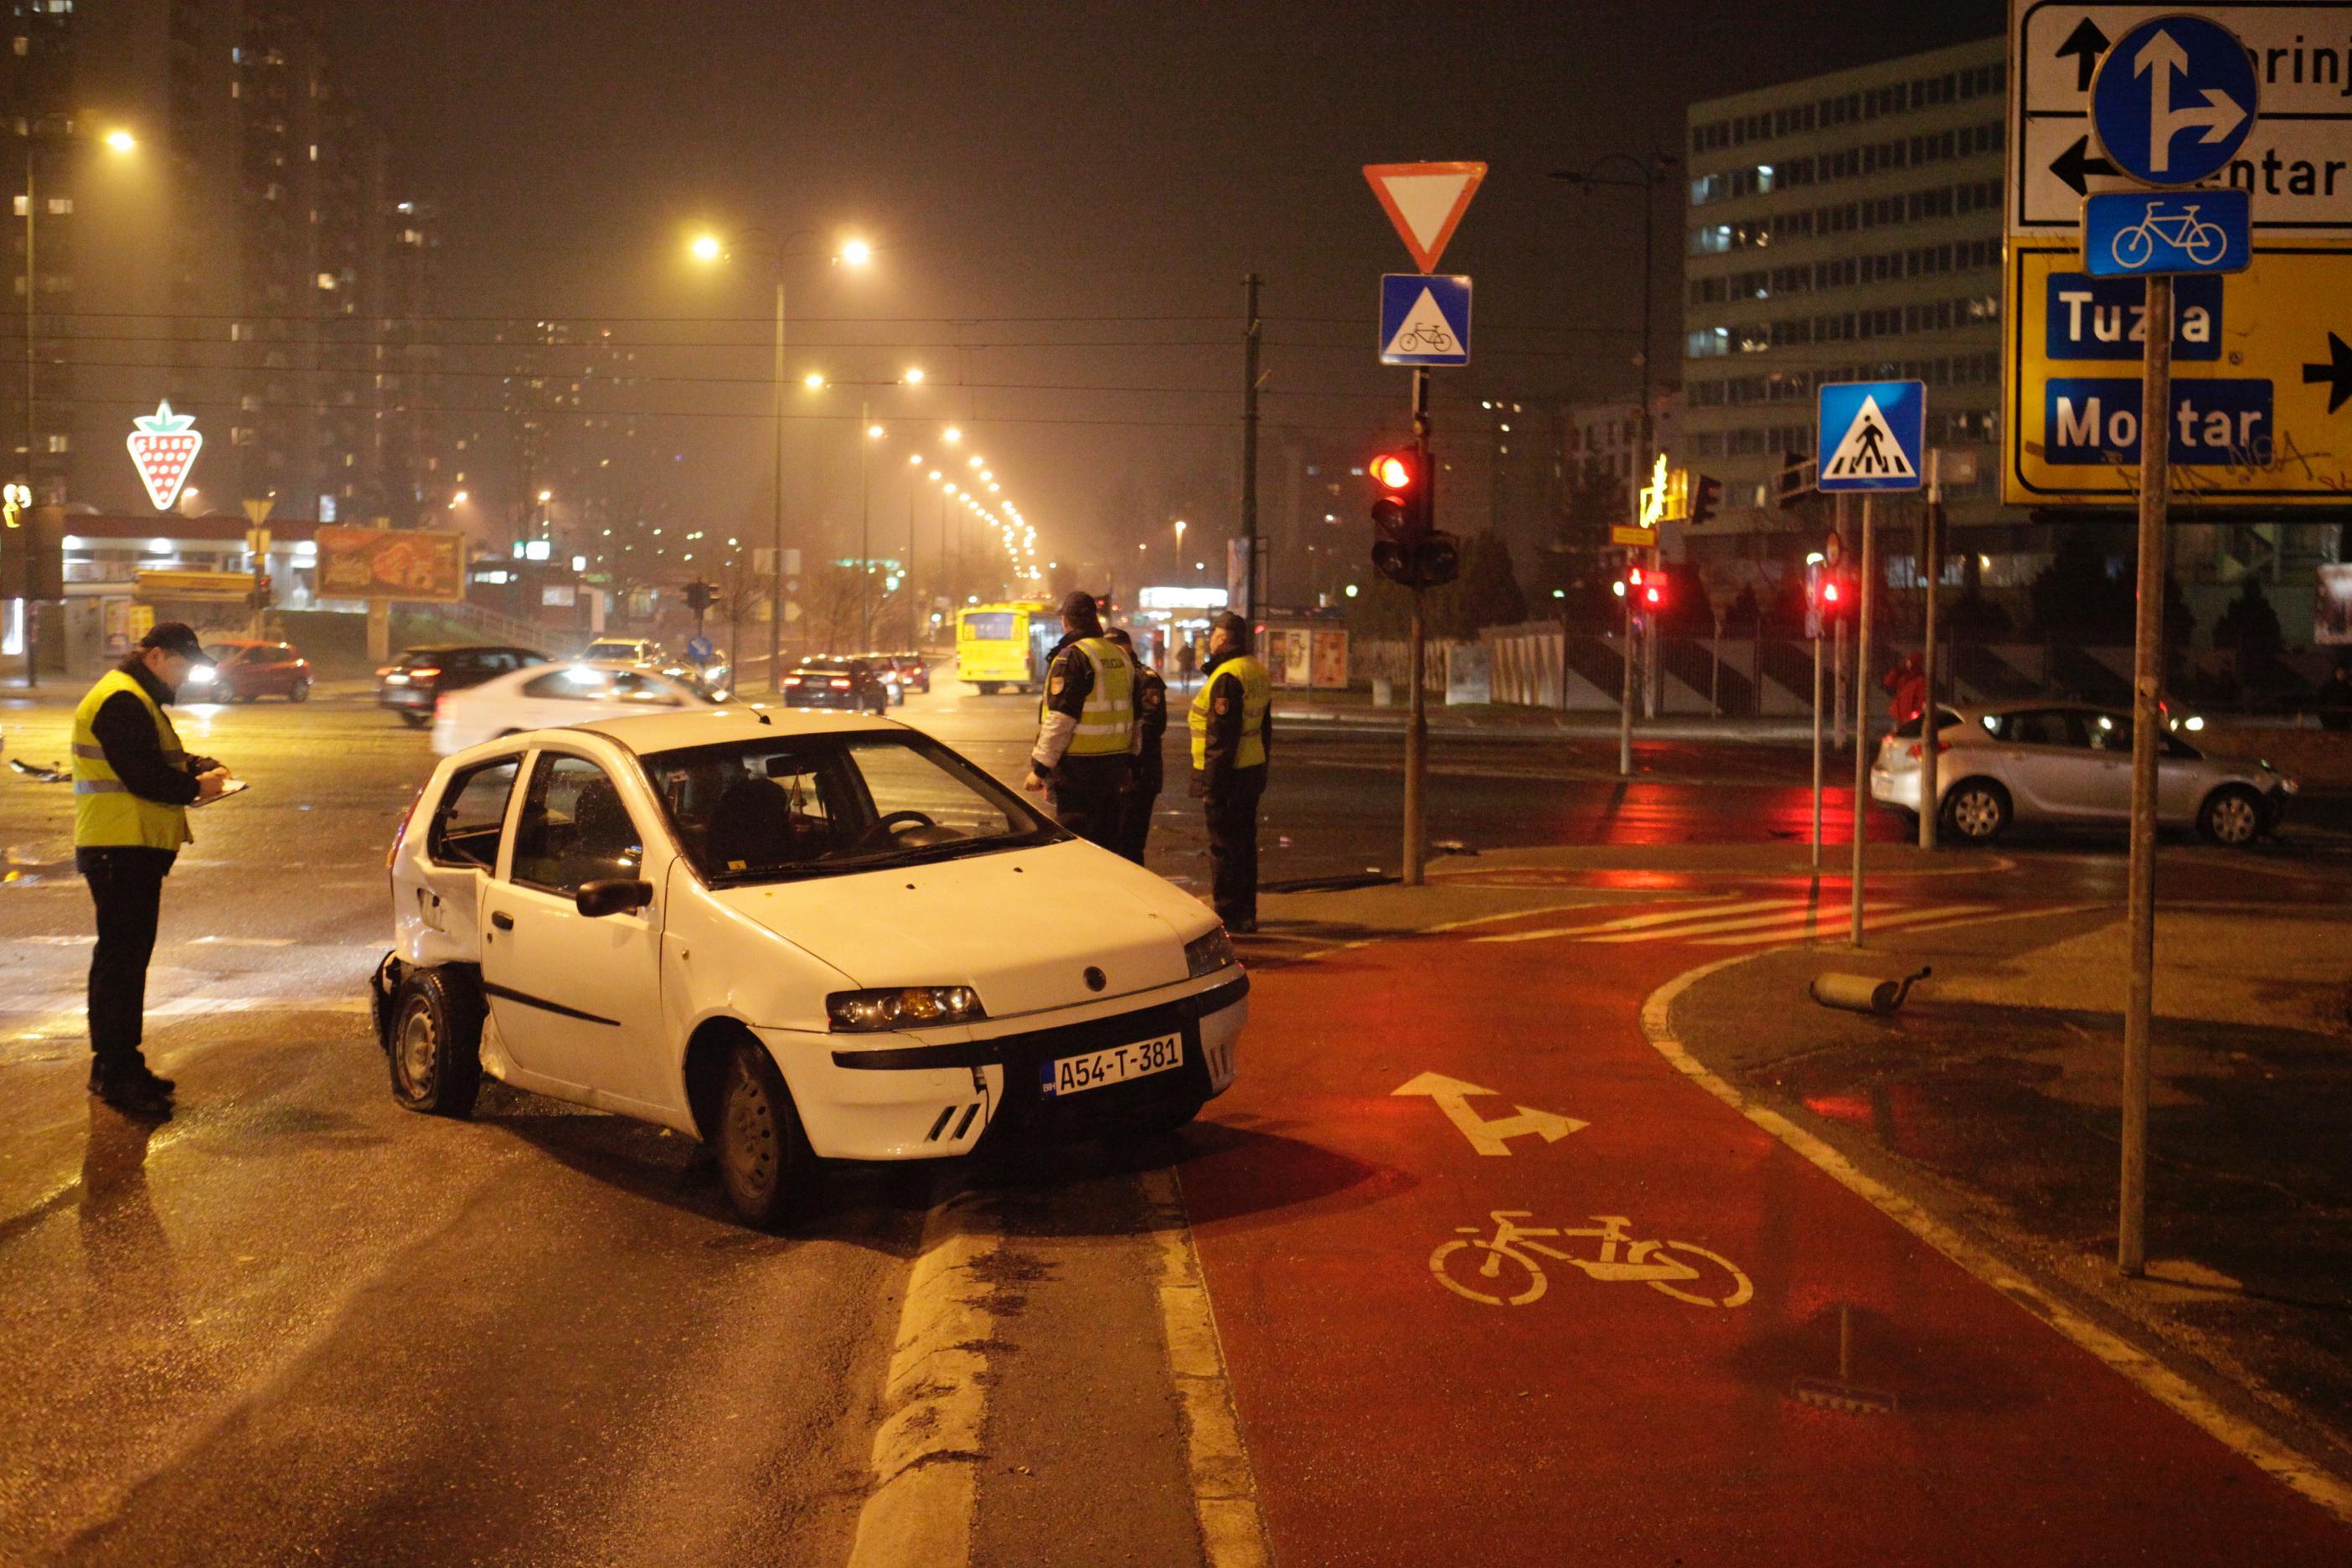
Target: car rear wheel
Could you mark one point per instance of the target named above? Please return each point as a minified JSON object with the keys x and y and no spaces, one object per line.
{"x":2232,"y":816}
{"x":414,"y":721}
{"x":299,"y":692}
{"x":1976,"y":810}
{"x":436,"y":1044}
{"x":764,"y":1160}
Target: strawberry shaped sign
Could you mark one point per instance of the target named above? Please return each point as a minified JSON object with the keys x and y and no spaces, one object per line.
{"x":165,"y":447}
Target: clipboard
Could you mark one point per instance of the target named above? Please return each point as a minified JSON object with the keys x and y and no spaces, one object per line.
{"x":229,"y":791}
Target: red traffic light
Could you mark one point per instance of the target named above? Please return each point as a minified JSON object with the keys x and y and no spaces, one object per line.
{"x":1830,"y":591}
{"x":1392,"y":471}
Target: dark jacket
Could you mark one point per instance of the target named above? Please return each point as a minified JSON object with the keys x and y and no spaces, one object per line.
{"x":127,"y":735}
{"x":1152,"y":723}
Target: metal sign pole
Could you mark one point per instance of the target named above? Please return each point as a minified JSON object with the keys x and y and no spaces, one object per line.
{"x":1416,"y":731}
{"x":1861,"y":709}
{"x":1817,"y":751}
{"x":2148,"y":681}
{"x":1931,"y":538}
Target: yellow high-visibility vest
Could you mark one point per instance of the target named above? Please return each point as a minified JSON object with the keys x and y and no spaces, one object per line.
{"x":1107,"y":720}
{"x":106,"y":814}
{"x":1258,"y":696}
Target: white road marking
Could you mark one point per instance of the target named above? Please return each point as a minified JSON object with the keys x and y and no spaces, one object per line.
{"x":1635,"y":923}
{"x":242,"y":942}
{"x":1489,"y":1137}
{"x":1870,"y":923}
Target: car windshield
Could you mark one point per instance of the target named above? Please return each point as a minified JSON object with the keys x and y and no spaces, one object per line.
{"x":815,"y":805}
{"x":221,"y":652}
{"x":1909,"y":729}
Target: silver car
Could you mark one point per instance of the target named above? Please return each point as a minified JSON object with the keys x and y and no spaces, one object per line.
{"x":2069,"y":763}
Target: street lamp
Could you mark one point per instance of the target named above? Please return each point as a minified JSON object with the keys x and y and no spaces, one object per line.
{"x":710,"y":250}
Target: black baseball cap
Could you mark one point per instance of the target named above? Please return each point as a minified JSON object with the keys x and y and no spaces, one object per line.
{"x":176,"y":637}
{"x":1079,"y":605}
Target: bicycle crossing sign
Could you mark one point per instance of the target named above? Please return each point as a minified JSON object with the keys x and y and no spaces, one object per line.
{"x":1424,"y":319}
{"x":2146,"y":233}
{"x":1871,"y":435}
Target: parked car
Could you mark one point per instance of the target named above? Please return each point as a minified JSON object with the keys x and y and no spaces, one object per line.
{"x":624,"y":650}
{"x":2069,"y":763}
{"x":549,"y":694}
{"x":857,"y":990}
{"x":914,"y":672}
{"x":411,"y":684}
{"x":244,"y":669}
{"x":837,"y":680}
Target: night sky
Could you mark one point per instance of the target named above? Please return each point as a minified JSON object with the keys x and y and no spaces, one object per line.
{"x":1063,"y":200}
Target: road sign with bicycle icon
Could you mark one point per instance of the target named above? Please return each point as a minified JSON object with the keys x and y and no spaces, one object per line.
{"x":2143,"y":234}
{"x":1424,"y":319}
{"x":1504,"y":1269}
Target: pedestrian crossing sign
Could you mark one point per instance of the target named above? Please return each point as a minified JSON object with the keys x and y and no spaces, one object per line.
{"x":1871,"y":435}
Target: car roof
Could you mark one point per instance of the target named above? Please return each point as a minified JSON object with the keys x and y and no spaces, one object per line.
{"x":467,"y":648}
{"x":647,"y":732}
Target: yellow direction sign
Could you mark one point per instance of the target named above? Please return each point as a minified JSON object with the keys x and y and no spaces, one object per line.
{"x":2261,"y":384}
{"x":1638,"y":538}
{"x":194,"y":584}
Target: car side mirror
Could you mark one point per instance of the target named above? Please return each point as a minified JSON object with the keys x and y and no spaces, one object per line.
{"x":611,"y":896}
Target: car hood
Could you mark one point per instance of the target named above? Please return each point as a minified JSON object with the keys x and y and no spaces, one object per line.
{"x":1021,"y":927}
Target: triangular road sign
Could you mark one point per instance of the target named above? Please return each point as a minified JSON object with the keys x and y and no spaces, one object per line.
{"x":1869,"y":450}
{"x":1424,"y":330}
{"x":1426,"y":201}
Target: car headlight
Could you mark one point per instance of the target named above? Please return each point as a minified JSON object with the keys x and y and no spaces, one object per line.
{"x":1207,"y":954}
{"x":902,"y":1008}
{"x":201,"y":675}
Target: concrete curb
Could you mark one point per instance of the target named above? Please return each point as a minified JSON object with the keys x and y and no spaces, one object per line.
{"x":926,"y":1453}
{"x":2151,"y":1376}
{"x":1224,"y":1489}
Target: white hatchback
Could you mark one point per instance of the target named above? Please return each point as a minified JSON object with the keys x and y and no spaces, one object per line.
{"x":549,"y":694}
{"x":2069,"y":763}
{"x":796,"y":936}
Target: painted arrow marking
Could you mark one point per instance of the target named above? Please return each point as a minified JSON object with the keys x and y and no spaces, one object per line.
{"x":2337,"y":373}
{"x":1453,"y":1096}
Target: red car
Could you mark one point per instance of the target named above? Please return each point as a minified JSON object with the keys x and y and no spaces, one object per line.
{"x":247,"y":667}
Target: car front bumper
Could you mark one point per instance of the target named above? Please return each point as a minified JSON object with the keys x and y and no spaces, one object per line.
{"x":905,"y":1097}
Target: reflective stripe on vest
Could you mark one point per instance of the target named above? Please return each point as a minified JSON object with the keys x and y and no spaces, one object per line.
{"x":1107,"y":720}
{"x":1258,"y":696}
{"x":106,"y":814}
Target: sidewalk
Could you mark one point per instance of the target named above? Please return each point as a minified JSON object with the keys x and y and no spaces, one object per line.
{"x":1355,"y":710}
{"x":1992,"y":1099}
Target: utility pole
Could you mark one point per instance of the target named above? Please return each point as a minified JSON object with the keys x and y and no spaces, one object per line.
{"x":1251,"y":334}
{"x":865,"y":522}
{"x":776,"y":540}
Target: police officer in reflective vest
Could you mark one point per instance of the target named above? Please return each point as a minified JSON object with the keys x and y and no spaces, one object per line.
{"x":1151,"y":727}
{"x":1085,"y":728}
{"x":133,"y":783}
{"x":1233,"y":721}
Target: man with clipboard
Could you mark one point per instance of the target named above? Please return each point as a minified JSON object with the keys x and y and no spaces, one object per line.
{"x":133,"y":783}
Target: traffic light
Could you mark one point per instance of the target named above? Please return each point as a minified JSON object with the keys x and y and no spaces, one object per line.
{"x":1706,"y":494}
{"x":1794,"y":486}
{"x":1643,"y":589}
{"x":697,"y":596}
{"x":1400,"y":514}
{"x":261,"y":597}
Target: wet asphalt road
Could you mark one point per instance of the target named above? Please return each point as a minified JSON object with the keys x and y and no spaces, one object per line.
{"x":298,"y":1324}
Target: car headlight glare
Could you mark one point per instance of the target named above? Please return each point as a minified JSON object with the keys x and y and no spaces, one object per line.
{"x":1209,"y":953}
{"x":903,"y":1007}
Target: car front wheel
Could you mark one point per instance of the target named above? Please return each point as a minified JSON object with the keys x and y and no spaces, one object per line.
{"x":1976,"y":810}
{"x":299,"y":692}
{"x":436,"y":1044}
{"x":764,"y":1160}
{"x":2231,"y":816}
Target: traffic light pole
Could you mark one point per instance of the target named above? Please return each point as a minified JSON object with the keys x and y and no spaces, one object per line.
{"x":1416,"y":731}
{"x":1931,"y":538}
{"x":2148,"y":681}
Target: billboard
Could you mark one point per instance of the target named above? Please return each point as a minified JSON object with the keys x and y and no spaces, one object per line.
{"x":392,"y":563}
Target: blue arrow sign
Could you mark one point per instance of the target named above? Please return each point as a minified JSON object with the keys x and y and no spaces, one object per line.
{"x":2174,"y":100}
{"x":1424,"y":319}
{"x":2143,"y":234}
{"x":1871,"y":434}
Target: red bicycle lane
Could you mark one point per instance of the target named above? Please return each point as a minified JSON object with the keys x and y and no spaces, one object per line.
{"x":1393,"y":1419}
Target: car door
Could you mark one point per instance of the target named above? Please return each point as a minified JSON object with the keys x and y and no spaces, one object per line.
{"x":2044,"y":762}
{"x":577,"y":999}
{"x":2106,"y":780}
{"x":463,"y":841}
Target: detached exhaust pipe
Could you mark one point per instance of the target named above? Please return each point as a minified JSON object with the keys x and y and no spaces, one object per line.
{"x":1863,"y":994}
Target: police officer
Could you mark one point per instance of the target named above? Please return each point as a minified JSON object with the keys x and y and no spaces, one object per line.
{"x":1150,"y":725}
{"x":1086,"y":727}
{"x":133,"y":783}
{"x":1233,"y":722}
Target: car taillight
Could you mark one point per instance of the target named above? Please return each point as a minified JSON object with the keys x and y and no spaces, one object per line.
{"x":1912,"y":750}
{"x":425,"y":672}
{"x":791,"y":680}
{"x":440,"y":709}
{"x":838,"y":684}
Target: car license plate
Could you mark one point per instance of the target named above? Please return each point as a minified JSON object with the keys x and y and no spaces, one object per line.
{"x":1076,"y":1075}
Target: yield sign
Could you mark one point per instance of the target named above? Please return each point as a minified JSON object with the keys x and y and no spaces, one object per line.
{"x":1426,"y":201}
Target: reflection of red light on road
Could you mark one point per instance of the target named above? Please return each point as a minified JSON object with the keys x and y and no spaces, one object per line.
{"x":1838,"y":1107}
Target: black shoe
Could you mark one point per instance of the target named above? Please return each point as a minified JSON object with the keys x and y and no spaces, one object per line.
{"x":132,"y":1096}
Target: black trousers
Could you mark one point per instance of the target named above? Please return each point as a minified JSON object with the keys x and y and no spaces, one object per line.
{"x":1232,"y":846}
{"x":127,"y":886}
{"x":1135,"y":817}
{"x":1088,"y":797}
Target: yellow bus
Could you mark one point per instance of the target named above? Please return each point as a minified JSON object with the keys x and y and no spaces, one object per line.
{"x":999,"y":646}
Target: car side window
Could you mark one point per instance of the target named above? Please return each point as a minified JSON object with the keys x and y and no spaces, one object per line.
{"x":574,"y":828}
{"x":2109,"y":733}
{"x":471,"y":817}
{"x":2041,"y":726}
{"x":560,"y":683}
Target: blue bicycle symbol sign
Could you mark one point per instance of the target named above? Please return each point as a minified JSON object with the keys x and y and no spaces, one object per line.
{"x":2142,"y":234}
{"x":2202,"y":243}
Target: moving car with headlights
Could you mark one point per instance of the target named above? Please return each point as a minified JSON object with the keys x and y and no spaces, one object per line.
{"x":798,"y":937}
{"x":549,"y":694}
{"x":2061,"y":764}
{"x":625,"y":650}
{"x":411,"y":684}
{"x":837,"y":680}
{"x":244,"y":669}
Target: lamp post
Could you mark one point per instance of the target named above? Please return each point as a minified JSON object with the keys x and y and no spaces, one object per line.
{"x":1649,"y":178}
{"x":709,"y":249}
